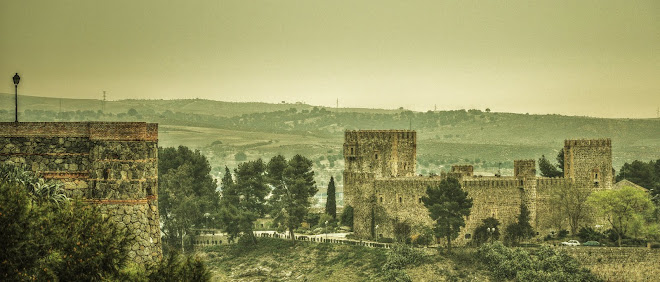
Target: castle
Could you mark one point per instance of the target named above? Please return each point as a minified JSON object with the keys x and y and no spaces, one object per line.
{"x":381,"y":185}
{"x":110,"y":164}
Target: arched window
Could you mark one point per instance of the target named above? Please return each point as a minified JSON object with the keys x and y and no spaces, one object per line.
{"x":400,"y":200}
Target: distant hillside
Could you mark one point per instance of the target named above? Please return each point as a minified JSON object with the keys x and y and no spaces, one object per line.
{"x":193,"y":106}
{"x":222,"y":130}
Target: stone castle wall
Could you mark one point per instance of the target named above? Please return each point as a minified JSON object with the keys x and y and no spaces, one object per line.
{"x":381,"y":200}
{"x":111,"y":164}
{"x":589,"y":162}
{"x":386,"y":153}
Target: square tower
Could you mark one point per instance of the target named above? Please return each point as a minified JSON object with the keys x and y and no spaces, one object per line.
{"x":588,"y":162}
{"x":385,"y":153}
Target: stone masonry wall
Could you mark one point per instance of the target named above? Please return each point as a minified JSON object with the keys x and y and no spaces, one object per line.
{"x":382,"y":195}
{"x":589,"y":162}
{"x":111,"y":164}
{"x":386,"y":153}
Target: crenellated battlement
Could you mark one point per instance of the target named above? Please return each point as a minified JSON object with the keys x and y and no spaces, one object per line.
{"x":382,"y":186}
{"x":602,"y":142}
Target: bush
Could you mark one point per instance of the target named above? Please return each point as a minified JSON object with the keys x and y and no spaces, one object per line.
{"x":562,"y":234}
{"x":544,"y":265}
{"x":589,"y":234}
{"x":425,"y":238}
{"x":347,"y":217}
{"x":385,"y":240}
{"x":177,"y":268}
{"x":400,"y":256}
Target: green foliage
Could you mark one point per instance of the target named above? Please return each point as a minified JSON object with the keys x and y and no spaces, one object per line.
{"x":399,"y":257}
{"x":643,"y":174}
{"x":568,"y":202}
{"x":245,"y":200}
{"x":293,"y":187}
{"x":240,"y":157}
{"x":70,"y":241}
{"x":521,"y":229}
{"x":424,"y":238}
{"x":544,"y":265}
{"x":547,"y":169}
{"x":402,"y":232}
{"x":177,"y":268}
{"x":560,"y":161}
{"x":447,"y":204}
{"x":347,"y":216}
{"x":187,"y":196}
{"x":626,"y":209}
{"x":589,"y":234}
{"x":331,"y":202}
{"x":484,"y":232}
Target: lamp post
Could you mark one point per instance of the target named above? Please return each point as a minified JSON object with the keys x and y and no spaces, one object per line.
{"x":491,"y":232}
{"x":16,"y":79}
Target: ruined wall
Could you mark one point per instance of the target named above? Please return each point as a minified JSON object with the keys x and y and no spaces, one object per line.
{"x":589,"y":162}
{"x":111,"y":164}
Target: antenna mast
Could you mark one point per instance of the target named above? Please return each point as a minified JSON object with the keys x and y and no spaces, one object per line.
{"x":103,"y":100}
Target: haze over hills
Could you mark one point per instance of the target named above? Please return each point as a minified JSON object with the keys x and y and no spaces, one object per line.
{"x":230,"y":132}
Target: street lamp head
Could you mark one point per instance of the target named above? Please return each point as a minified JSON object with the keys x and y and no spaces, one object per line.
{"x":16,"y":79}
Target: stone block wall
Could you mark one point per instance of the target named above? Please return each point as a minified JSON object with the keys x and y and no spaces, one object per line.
{"x":381,"y":195}
{"x":589,"y":162}
{"x":386,"y":153}
{"x":111,"y":164}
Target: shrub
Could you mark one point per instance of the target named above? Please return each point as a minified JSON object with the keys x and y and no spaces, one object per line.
{"x":177,"y":268}
{"x":589,"y":234}
{"x":544,"y":265}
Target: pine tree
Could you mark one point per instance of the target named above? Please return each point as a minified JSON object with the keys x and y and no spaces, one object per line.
{"x":448,"y":205}
{"x":548,"y":169}
{"x":331,"y":202}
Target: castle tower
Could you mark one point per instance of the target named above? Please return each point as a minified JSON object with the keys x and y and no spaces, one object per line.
{"x":525,"y":172}
{"x":110,"y":164}
{"x":371,"y":154}
{"x":524,"y":169}
{"x":588,"y":162}
{"x":386,"y":153}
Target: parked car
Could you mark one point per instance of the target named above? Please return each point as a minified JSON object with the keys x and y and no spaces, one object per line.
{"x":591,"y":243}
{"x":570,"y":243}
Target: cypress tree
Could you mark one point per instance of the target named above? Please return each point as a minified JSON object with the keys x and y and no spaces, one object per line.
{"x":331,"y":203}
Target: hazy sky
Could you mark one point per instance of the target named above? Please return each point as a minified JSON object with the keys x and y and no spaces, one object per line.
{"x":598,"y":58}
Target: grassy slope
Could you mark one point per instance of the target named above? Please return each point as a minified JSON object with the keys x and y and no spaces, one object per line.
{"x":274,"y":260}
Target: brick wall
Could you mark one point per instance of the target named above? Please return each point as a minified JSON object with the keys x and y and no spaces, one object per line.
{"x":111,"y":164}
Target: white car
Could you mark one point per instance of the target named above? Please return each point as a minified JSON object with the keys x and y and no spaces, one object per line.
{"x":570,"y":243}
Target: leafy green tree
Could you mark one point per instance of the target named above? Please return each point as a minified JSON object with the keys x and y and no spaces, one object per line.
{"x":245,"y":200}
{"x":547,"y":169}
{"x":567,"y":201}
{"x":447,"y":204}
{"x":187,"y":196}
{"x":347,"y":216}
{"x":487,"y":231}
{"x":331,"y":202}
{"x":644,"y":174}
{"x":624,"y":208}
{"x":293,"y":187}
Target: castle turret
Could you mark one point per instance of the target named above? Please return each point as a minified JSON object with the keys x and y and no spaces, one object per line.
{"x":588,"y":162}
